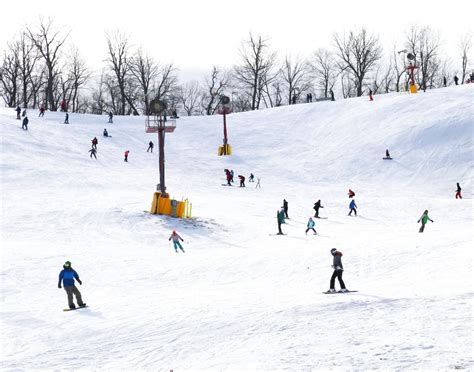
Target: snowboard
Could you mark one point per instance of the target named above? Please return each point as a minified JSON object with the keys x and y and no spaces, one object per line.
{"x":276,"y":234}
{"x":327,"y":292}
{"x":387,"y":158}
{"x":224,"y":184}
{"x":76,"y":308}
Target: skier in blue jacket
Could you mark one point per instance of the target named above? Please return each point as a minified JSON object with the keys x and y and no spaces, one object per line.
{"x":310,"y":226}
{"x":67,"y":276}
{"x":352,"y":207}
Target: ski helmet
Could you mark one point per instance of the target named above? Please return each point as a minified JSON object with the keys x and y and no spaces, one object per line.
{"x":333,"y":251}
{"x":67,"y":264}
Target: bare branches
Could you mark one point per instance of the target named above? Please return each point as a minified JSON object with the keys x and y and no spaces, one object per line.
{"x":357,"y":54}
{"x":48,"y":42}
{"x":189,"y":97}
{"x":424,"y":44}
{"x":296,"y":78}
{"x":465,"y":46}
{"x":145,"y":71}
{"x":9,"y":74}
{"x":323,"y":67}
{"x":214,"y":86}
{"x":254,"y":72}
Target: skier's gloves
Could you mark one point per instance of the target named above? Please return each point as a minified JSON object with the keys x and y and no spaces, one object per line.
{"x":59,"y":285}
{"x":79,"y":282}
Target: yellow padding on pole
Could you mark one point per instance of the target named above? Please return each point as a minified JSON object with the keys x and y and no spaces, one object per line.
{"x":154,"y":204}
{"x":220,"y":150}
{"x":228,"y":150}
{"x":413,"y":88}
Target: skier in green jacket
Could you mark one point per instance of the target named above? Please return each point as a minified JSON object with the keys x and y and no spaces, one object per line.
{"x":280,"y":219}
{"x":424,"y":220}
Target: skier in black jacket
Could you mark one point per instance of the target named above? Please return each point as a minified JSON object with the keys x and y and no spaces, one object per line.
{"x":285,"y":208}
{"x":316,"y":207}
{"x":338,"y":270}
{"x":25,"y":123}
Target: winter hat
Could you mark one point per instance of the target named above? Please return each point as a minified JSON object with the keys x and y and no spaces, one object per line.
{"x":333,"y":251}
{"x":67,"y":264}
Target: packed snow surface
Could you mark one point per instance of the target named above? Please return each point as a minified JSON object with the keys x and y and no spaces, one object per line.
{"x":242,"y":297}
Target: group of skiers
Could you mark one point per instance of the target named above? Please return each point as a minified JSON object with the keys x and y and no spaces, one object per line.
{"x":229,"y":176}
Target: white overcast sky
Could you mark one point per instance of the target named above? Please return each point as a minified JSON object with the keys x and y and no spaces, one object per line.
{"x":195,"y":34}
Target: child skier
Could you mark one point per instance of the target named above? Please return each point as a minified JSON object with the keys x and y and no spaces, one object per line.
{"x":67,"y":276}
{"x":310,"y":226}
{"x":242,"y":180}
{"x":105,"y":133}
{"x":352,"y":207}
{"x":125,"y":154}
{"x":94,"y":143}
{"x":176,"y":238}
{"x":458,"y":191}
{"x":150,"y":146}
{"x":338,"y":270}
{"x":424,"y":220}
{"x":316,"y":207}
{"x":24,"y":125}
{"x":93,"y":152}
{"x":251,"y":178}
{"x":66,"y":120}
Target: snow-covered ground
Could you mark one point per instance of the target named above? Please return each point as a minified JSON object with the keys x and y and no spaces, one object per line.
{"x":241,"y":297}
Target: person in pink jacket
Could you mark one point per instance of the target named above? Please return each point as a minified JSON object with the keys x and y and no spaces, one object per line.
{"x":176,"y":238}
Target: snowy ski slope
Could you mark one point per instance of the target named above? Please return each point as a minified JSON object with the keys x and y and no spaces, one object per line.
{"x":241,"y":298}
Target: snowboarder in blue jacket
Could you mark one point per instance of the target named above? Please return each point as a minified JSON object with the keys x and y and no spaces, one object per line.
{"x":67,"y":276}
{"x":352,"y":207}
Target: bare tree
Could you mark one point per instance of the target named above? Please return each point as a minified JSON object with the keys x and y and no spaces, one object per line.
{"x":399,"y":67}
{"x":78,"y":74}
{"x":48,"y":41}
{"x":273,"y":92}
{"x":214,"y":87}
{"x":384,"y":79}
{"x":323,"y":68}
{"x":296,"y":78}
{"x":424,"y":45}
{"x":254,"y":73}
{"x":166,"y":82}
{"x":37,"y":82}
{"x":189,"y":97}
{"x":358,"y":54}
{"x":465,"y":46}
{"x":120,"y":65}
{"x":27,"y":60}
{"x":9,"y":74}
{"x":145,"y":71}
{"x":98,"y":105}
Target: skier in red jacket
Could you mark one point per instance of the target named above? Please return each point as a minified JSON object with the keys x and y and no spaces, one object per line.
{"x":242,"y":180}
{"x":126,"y":155}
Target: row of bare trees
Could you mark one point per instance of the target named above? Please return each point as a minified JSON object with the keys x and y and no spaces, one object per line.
{"x":35,"y":69}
